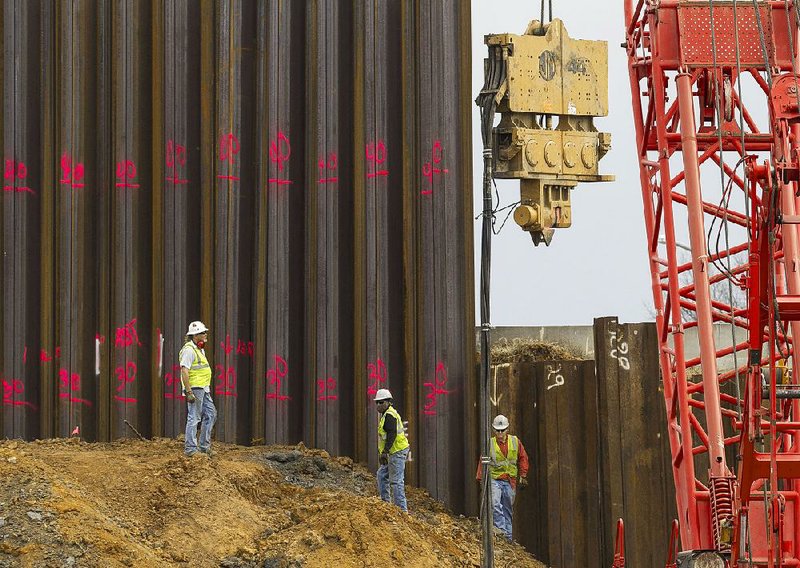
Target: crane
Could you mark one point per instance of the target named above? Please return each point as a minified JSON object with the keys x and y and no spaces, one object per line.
{"x":716,"y":108}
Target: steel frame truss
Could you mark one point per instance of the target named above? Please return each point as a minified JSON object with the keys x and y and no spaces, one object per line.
{"x":699,"y":92}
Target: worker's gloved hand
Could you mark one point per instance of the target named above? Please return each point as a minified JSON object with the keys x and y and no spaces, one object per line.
{"x":189,"y":395}
{"x":384,"y":459}
{"x":523,"y":482}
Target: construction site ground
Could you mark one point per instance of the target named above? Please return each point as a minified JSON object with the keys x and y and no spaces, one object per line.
{"x":142,"y":503}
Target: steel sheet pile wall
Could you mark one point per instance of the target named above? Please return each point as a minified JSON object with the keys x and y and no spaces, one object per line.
{"x":595,"y":432}
{"x":295,"y":174}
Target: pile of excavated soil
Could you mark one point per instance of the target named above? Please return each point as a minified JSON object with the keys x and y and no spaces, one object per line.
{"x":524,"y":350}
{"x":142,"y":503}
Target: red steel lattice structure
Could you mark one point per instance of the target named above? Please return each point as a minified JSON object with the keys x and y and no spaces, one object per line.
{"x":715,"y":105}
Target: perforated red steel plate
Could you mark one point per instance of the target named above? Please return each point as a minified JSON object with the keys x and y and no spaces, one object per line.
{"x":696,"y":47}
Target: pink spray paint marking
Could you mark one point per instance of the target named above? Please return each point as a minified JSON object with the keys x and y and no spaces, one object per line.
{"x":70,"y":385}
{"x":326,"y":389}
{"x":125,"y":375}
{"x":14,"y":174}
{"x":436,"y":389}
{"x":280,"y":150}
{"x":174,"y":387}
{"x":14,"y":394}
{"x":126,"y":175}
{"x":71,"y":173}
{"x":126,"y":336}
{"x":226,"y":381}
{"x":432,"y":168}
{"x":376,"y":159}
{"x":275,"y":377}
{"x":228,"y":149}
{"x":328,"y":169}
{"x":378,"y":377}
{"x":176,"y":163}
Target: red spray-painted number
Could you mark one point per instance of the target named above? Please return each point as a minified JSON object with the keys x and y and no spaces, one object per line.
{"x":71,"y":173}
{"x":70,"y":384}
{"x":228,"y":150}
{"x":226,"y":381}
{"x":126,"y":174}
{"x":326,"y":389}
{"x":432,"y":168}
{"x":378,"y":376}
{"x":125,"y":375}
{"x":176,"y":163}
{"x":436,"y":389}
{"x":13,"y":174}
{"x":376,"y":159}
{"x":275,"y":377}
{"x":328,"y":169}
{"x":280,"y":150}
{"x":172,"y":380}
{"x":14,"y":393}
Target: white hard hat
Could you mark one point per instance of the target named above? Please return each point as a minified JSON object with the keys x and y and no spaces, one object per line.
{"x":500,"y":422}
{"x":196,"y":327}
{"x":382,"y":394}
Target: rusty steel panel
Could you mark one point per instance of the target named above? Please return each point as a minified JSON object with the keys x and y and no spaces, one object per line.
{"x":558,"y":518}
{"x":294,"y":174}
{"x":596,"y":436}
{"x":633,"y":440}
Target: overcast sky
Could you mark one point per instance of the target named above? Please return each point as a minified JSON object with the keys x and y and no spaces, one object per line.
{"x":598,"y":267}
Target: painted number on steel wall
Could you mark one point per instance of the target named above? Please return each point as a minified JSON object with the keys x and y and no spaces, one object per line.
{"x":226,"y":381}
{"x":228,"y":149}
{"x":125,"y":375}
{"x":436,"y":389}
{"x":126,"y":174}
{"x":172,"y":380}
{"x":327,"y":169}
{"x":376,"y":159}
{"x":378,"y":377}
{"x":619,"y":350}
{"x":275,"y":377}
{"x":70,"y":385}
{"x":433,"y":167}
{"x":14,"y":393}
{"x":554,"y":377}
{"x":71,"y":173}
{"x":176,"y":163}
{"x":326,"y":389}
{"x":280,"y":150}
{"x":14,"y":173}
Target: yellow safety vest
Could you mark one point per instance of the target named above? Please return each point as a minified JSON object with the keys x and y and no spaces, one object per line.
{"x":200,"y":372}
{"x":400,"y":441}
{"x":505,"y":465}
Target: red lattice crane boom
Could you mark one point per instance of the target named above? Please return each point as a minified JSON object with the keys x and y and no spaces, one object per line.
{"x":716,"y":106}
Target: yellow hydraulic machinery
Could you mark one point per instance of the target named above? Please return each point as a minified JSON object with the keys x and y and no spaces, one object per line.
{"x":548,"y":88}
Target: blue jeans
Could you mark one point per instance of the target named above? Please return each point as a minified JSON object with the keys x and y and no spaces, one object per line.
{"x":202,"y":410}
{"x":393,"y":475}
{"x":503,"y":506}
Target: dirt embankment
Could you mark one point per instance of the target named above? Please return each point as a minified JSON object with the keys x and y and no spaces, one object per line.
{"x":135,"y":503}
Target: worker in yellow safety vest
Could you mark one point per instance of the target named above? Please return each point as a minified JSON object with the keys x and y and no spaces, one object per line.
{"x":393,"y":449}
{"x":508,"y":462}
{"x":196,"y":381}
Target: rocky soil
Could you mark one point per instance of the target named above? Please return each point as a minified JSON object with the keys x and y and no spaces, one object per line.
{"x":142,"y":503}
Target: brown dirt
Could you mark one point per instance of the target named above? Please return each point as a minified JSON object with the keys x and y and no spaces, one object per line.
{"x":522,"y":350}
{"x":141,"y":503}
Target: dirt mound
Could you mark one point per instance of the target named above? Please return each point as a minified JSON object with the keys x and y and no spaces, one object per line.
{"x":140,"y":503}
{"x":523,"y":350}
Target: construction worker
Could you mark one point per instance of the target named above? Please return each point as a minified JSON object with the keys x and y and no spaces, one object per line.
{"x":196,"y":381}
{"x":508,"y":462}
{"x":393,"y":450}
